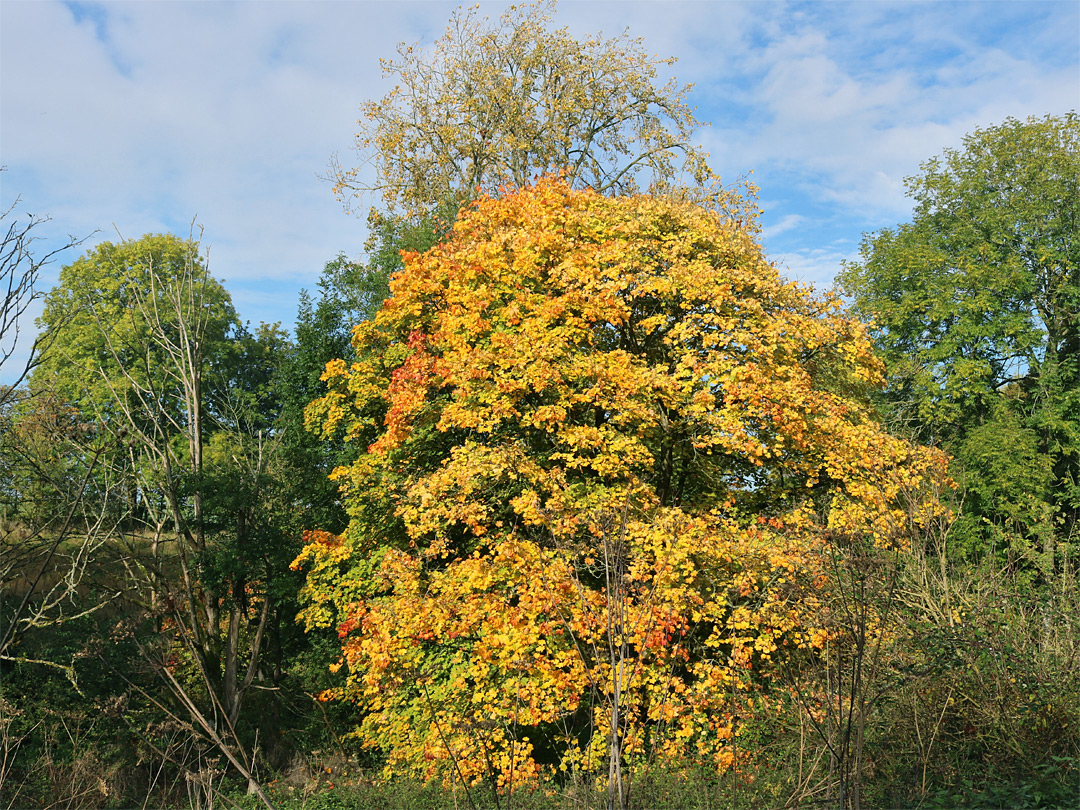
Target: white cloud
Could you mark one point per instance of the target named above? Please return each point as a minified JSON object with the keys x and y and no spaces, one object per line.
{"x":785,"y":224}
{"x":854,"y":105}
{"x":815,"y":266}
{"x":143,"y":115}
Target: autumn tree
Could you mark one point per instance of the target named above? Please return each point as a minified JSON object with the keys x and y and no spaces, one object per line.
{"x":976,"y":310}
{"x":600,"y":445}
{"x":498,"y":103}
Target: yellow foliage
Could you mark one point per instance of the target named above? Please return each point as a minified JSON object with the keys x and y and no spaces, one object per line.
{"x":605,"y":445}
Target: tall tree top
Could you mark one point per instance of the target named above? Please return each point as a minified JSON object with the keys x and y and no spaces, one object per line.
{"x":498,"y":103}
{"x":113,"y":309}
{"x":982,"y":288}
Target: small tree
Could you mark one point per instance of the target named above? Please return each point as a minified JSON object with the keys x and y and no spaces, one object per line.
{"x":42,"y":507}
{"x":19,"y":271}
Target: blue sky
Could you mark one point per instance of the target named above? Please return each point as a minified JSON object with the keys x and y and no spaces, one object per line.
{"x":131,"y":118}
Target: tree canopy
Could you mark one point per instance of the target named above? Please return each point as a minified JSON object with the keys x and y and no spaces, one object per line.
{"x":495,"y":104}
{"x":976,"y":306}
{"x":106,"y":305}
{"x":611,"y":507}
{"x":603,"y":440}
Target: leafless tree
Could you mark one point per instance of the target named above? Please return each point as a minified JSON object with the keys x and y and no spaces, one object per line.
{"x":40,"y":568}
{"x":20,"y":270}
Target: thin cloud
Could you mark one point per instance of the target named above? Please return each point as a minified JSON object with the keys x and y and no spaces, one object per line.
{"x":785,"y":224}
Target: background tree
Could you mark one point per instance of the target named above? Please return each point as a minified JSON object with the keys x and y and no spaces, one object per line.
{"x":602,"y":436}
{"x":56,"y":513}
{"x":975,"y":311}
{"x":976,"y":306}
{"x":108,"y":302}
{"x":348,"y":293}
{"x":496,"y":104}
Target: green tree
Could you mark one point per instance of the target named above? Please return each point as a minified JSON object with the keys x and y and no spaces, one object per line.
{"x":151,"y":349}
{"x":976,"y":306}
{"x":107,"y":305}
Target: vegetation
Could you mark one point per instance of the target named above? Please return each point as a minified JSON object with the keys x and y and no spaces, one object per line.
{"x":500,"y":104}
{"x":605,"y":443}
{"x":593,"y":508}
{"x":976,"y":305}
